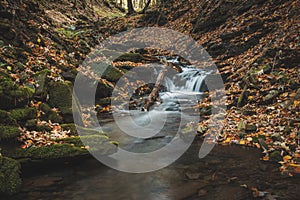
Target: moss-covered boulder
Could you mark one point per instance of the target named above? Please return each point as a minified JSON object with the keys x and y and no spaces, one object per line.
{"x":6,"y":119}
{"x":23,"y":114}
{"x":41,"y":78}
{"x":9,"y":132}
{"x":8,"y":126}
{"x":69,"y":127}
{"x":49,"y":152}
{"x":49,"y":115}
{"x":112,"y":74}
{"x":133,"y":57}
{"x":10,"y":181}
{"x":60,"y":96}
{"x":99,"y":144}
{"x":13,"y":95}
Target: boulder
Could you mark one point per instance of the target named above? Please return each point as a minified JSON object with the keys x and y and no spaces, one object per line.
{"x":13,"y":96}
{"x":10,"y":181}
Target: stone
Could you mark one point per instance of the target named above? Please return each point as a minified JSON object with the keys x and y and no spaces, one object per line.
{"x":10,"y":181}
{"x":41,"y":78}
{"x":270,"y":96}
{"x":250,"y":127}
{"x":12,"y":95}
{"x":60,"y":96}
{"x":275,"y":156}
{"x":23,"y":114}
{"x":8,"y":132}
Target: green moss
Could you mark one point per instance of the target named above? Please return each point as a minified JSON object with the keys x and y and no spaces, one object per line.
{"x":50,"y":152}
{"x":49,"y":114}
{"x":8,"y":132}
{"x":60,"y":94}
{"x":112,"y":74}
{"x":45,"y":108}
{"x":10,"y":181}
{"x":69,"y":127}
{"x":31,"y":124}
{"x":12,"y":95}
{"x":67,"y":114}
{"x":42,"y":80}
{"x":96,"y":143}
{"x":53,"y":117}
{"x":6,"y":119}
{"x":22,"y":114}
{"x":133,"y":57}
{"x":88,"y":131}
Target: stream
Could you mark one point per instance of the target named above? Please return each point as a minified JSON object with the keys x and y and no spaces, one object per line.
{"x":227,"y":172}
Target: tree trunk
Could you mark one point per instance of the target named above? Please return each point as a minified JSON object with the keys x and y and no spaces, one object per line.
{"x":153,"y":96}
{"x":146,"y":6}
{"x":130,"y":7}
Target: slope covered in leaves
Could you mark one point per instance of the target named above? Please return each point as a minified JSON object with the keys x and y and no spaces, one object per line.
{"x":256,"y":46}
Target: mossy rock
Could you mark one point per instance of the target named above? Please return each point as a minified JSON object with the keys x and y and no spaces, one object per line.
{"x":8,"y":132}
{"x":10,"y":181}
{"x":12,"y":95}
{"x":69,"y":127}
{"x":31,"y":124}
{"x":106,"y":71}
{"x":67,"y":114}
{"x":6,"y":119}
{"x":23,"y":114}
{"x":99,"y":144}
{"x":133,"y":57}
{"x":112,"y":74}
{"x":50,"y":152}
{"x":275,"y":156}
{"x":52,"y":116}
{"x":60,"y":94}
{"x":41,"y":78}
{"x":82,"y":131}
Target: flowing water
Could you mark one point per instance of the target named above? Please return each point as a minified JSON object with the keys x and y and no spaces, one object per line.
{"x":228,"y":172}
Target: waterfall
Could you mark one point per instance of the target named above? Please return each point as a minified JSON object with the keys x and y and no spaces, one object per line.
{"x":189,"y":80}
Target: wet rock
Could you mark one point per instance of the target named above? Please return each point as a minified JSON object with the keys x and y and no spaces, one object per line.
{"x":132,"y":57}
